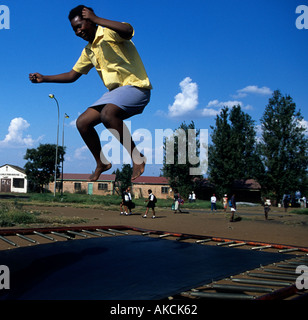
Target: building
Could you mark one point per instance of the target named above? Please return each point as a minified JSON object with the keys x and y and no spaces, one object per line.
{"x":13,"y":179}
{"x":105,"y":185}
{"x":159,"y":185}
{"x":78,"y":183}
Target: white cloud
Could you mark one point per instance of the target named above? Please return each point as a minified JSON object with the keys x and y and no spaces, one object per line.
{"x":209,"y":112}
{"x":185,"y":101}
{"x":15,"y":136}
{"x":253,"y":90}
{"x":79,"y":153}
{"x":304,"y":124}
{"x":221,"y":104}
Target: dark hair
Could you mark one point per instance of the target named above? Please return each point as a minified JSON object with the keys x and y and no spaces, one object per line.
{"x":77,"y":12}
{"x":149,"y":191}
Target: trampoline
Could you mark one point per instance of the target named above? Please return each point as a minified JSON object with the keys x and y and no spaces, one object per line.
{"x":128,"y":267}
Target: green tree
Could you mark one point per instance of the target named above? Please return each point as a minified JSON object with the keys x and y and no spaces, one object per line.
{"x":177,"y":160}
{"x":283,"y":147}
{"x":232,"y":154}
{"x":123,"y":176}
{"x":40,"y":167}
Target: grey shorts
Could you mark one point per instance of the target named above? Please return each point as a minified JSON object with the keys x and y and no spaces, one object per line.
{"x":129,"y":98}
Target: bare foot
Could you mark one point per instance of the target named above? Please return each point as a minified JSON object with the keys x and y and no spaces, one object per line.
{"x":98,"y":171}
{"x":138,"y":169}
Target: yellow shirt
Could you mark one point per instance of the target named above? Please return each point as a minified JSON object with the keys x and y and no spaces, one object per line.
{"x":115,"y":59}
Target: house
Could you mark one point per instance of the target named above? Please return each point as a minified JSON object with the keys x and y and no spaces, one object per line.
{"x":159,"y":185}
{"x":78,"y":183}
{"x":13,"y":179}
{"x":245,"y":190}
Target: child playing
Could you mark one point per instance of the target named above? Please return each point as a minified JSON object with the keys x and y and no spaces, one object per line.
{"x":114,"y":56}
{"x":151,"y":204}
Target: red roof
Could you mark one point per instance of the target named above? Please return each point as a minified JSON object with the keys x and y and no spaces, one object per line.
{"x":151,"y":180}
{"x":85,"y":176}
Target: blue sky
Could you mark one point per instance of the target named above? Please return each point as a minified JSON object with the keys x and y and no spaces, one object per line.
{"x":200,"y":55}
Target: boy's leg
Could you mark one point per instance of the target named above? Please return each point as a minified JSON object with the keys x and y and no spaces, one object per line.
{"x":85,"y":124}
{"x":113,"y":118}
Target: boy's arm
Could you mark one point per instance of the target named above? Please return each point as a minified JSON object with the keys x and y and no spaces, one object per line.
{"x":123,"y":29}
{"x":66,"y":77}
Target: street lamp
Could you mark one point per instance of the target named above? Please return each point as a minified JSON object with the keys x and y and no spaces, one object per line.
{"x":65,"y":117}
{"x":51,"y":96}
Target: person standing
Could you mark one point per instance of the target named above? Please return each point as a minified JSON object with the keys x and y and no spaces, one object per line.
{"x":213,"y":202}
{"x":151,"y":204}
{"x":233,"y":207}
{"x":267,"y":207}
{"x":177,"y":200}
{"x":225,"y":202}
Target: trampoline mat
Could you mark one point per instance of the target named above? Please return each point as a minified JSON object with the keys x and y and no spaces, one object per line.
{"x":121,"y":268}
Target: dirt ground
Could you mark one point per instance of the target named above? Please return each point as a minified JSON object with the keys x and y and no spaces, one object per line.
{"x":280,"y":228}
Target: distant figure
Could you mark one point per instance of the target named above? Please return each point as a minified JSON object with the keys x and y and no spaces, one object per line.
{"x":225,"y":202}
{"x":151,"y":204}
{"x":233,"y":207}
{"x":285,"y":201}
{"x":267,"y":207}
{"x":127,"y":202}
{"x":193,"y":197}
{"x":176,"y":200}
{"x":213,"y":202}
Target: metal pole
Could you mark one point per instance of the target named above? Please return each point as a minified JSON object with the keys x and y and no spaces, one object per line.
{"x":56,"y":161}
{"x":62,"y":156}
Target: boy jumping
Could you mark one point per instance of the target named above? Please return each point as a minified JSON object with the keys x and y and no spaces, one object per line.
{"x":113,"y":54}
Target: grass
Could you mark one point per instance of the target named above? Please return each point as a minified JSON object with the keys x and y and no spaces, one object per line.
{"x":97,"y":201}
{"x":12,"y":214}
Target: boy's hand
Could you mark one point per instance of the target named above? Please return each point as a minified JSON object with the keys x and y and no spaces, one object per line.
{"x":88,"y":14}
{"x":36,"y":77}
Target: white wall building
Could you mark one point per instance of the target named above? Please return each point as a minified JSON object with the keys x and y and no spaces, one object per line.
{"x":13,"y":179}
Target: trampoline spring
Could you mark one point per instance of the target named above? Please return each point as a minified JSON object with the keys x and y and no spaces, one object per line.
{"x":77,"y":233}
{"x":237,"y":244}
{"x":288,"y":250}
{"x":204,"y":240}
{"x":118,"y":231}
{"x":225,"y":243}
{"x":287,"y":266}
{"x":9,"y":241}
{"x":44,"y":235}
{"x":164,"y":235}
{"x":224,"y":296}
{"x":272,"y":276}
{"x":106,"y":232}
{"x":263,"y":282}
{"x":92,"y":233}
{"x":146,"y":233}
{"x":26,"y":238}
{"x":279,"y":271}
{"x":62,"y":235}
{"x":261,"y":247}
{"x":239,"y":288}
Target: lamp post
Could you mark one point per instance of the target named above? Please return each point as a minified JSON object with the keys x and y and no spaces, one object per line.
{"x":65,"y":117}
{"x":51,"y":96}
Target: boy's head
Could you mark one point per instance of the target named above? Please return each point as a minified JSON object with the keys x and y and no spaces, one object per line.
{"x":83,"y":28}
{"x":149,"y":191}
{"x":77,"y":12}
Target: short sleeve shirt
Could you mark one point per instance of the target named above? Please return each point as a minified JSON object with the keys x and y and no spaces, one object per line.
{"x":115,"y":59}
